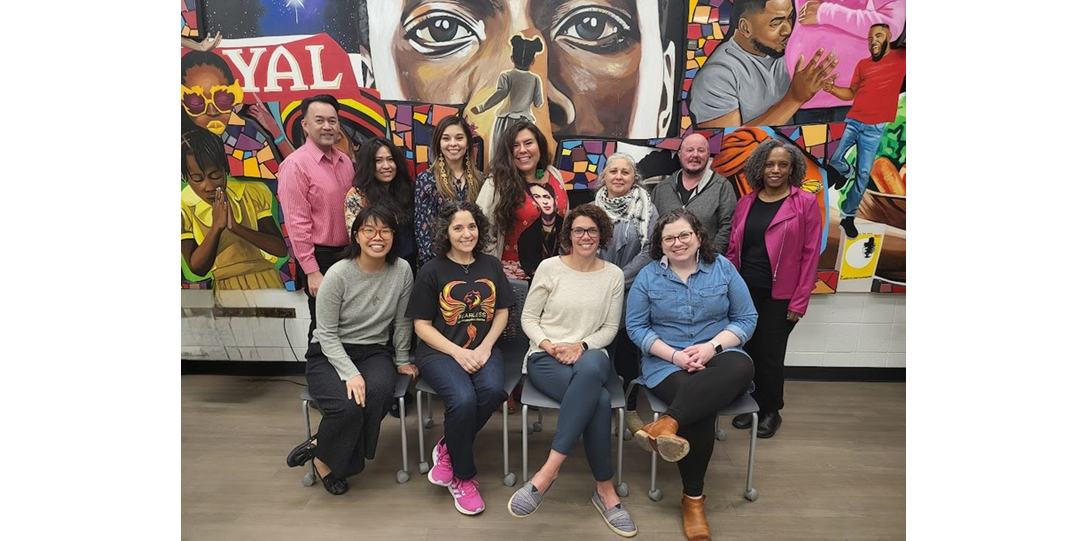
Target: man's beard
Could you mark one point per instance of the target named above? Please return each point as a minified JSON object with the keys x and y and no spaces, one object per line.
{"x":882,"y":52}
{"x":765,"y":49}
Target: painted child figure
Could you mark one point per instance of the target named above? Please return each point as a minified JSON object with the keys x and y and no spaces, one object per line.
{"x":228,"y":227}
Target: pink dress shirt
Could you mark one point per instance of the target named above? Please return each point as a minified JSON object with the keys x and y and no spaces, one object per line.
{"x":311,"y":186}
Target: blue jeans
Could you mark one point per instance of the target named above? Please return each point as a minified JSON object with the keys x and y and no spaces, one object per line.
{"x":866,"y":137}
{"x":471,"y":399}
{"x":585,"y":404}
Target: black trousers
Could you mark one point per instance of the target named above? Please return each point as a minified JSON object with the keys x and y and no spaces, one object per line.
{"x":767,"y":347}
{"x":326,"y":257}
{"x":348,"y":433}
{"x":626,"y":358}
{"x":695,"y":400}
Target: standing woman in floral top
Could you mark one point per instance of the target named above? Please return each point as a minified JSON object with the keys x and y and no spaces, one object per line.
{"x":452,"y":177}
{"x":382,"y":178}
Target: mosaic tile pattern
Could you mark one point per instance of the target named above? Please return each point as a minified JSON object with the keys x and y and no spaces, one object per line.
{"x":581,"y":161}
{"x":411,"y":127}
{"x":708,"y":23}
{"x":189,"y":19}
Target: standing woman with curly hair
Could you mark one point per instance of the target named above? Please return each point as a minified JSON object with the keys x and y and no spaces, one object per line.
{"x":775,"y":245}
{"x":459,"y":307}
{"x":452,"y":177}
{"x":382,"y":178}
{"x":512,"y":200}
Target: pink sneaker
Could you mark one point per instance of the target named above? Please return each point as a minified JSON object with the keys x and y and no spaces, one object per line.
{"x":441,"y":473}
{"x":467,"y":499}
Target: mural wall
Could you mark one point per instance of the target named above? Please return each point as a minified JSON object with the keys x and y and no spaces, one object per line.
{"x":612,"y":75}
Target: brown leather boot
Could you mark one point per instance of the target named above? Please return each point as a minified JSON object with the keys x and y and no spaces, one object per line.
{"x":660,"y":437}
{"x":694,"y":522}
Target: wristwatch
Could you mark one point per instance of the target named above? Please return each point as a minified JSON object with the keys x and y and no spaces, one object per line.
{"x":584,"y":344}
{"x":715,"y":344}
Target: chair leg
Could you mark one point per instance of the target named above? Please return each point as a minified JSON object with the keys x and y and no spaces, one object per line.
{"x":751,"y":493}
{"x":654,"y":493}
{"x":403,"y":474}
{"x":509,"y":477}
{"x":622,"y":487}
{"x":423,"y":466}
{"x":524,"y":444}
{"x":312,"y":473}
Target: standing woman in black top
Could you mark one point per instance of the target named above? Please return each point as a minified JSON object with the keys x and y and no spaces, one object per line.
{"x":775,"y":245}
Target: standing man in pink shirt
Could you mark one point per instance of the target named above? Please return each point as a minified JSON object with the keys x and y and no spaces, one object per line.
{"x":312,"y":184}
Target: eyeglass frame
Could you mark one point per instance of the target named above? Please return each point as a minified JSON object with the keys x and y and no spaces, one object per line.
{"x":385,"y":233}
{"x":197,"y":90}
{"x":669,"y":240}
{"x":579,"y":232}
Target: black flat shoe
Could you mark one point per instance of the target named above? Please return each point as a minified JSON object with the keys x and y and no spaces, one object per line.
{"x":334,"y":485}
{"x":768,"y":423}
{"x":301,"y":453}
{"x":741,"y":421}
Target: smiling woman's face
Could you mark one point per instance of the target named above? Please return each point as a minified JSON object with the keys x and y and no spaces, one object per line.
{"x":446,"y":51}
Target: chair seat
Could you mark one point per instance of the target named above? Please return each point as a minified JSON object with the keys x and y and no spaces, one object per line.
{"x":401,"y":384}
{"x":533,"y":397}
{"x":743,"y":404}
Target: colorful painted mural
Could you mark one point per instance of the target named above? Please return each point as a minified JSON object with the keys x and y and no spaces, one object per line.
{"x":597,"y":76}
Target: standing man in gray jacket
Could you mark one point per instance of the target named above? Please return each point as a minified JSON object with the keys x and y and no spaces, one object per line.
{"x":706,"y":194}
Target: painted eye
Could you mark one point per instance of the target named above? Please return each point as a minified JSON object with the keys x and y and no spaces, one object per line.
{"x":440,"y":33}
{"x":598,"y":29}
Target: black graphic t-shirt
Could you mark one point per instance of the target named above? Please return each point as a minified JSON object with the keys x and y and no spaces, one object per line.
{"x":460,"y":302}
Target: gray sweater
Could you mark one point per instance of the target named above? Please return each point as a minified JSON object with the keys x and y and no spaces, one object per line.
{"x":354,"y":307}
{"x":713,"y":202}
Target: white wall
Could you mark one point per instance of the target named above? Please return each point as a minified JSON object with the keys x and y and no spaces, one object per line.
{"x":839,"y":330}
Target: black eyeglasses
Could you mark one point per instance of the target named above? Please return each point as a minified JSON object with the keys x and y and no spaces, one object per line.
{"x":683,"y":236}
{"x":579,"y":232}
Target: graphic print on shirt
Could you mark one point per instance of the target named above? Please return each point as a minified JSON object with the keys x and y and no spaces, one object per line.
{"x":474,"y":307}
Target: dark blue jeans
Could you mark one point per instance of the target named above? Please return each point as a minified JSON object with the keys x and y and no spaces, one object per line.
{"x":471,"y":399}
{"x":585,"y":404}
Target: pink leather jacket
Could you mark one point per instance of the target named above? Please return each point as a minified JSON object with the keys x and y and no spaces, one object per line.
{"x":793,"y":239}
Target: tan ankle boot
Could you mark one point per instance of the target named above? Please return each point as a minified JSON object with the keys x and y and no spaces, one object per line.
{"x":694,"y":522}
{"x":661,"y":437}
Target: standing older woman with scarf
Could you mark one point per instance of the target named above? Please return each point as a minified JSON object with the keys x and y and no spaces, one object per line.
{"x":629,"y":206}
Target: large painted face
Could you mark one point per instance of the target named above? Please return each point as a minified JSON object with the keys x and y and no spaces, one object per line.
{"x":545,"y":201}
{"x":769,"y":30}
{"x":212,"y":106}
{"x":604,"y":59}
{"x":878,"y":41}
{"x":693,"y":154}
{"x":204,"y":181}
{"x":321,"y":124}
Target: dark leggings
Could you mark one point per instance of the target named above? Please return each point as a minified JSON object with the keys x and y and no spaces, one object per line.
{"x":695,"y":400}
{"x":767,"y":347}
{"x":626,"y":358}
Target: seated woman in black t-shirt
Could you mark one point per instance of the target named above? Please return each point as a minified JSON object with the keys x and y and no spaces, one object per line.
{"x":459,"y":307}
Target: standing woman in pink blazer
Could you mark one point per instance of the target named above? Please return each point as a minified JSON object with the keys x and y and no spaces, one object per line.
{"x":775,"y":245}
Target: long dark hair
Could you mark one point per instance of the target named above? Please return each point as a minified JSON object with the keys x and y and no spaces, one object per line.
{"x":508,"y":180}
{"x":704,"y":251}
{"x":384,"y":217}
{"x":400,"y":196}
{"x":442,"y":243}
{"x":442,"y":171}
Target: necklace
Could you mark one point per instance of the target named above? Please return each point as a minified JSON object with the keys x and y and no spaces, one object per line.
{"x":465,"y":268}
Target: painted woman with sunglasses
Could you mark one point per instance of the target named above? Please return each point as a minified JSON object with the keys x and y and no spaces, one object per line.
{"x":350,"y":368}
{"x":689,"y":313}
{"x":775,"y":245}
{"x":571,"y":315}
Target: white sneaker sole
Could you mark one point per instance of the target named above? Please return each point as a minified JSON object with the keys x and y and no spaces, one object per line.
{"x":459,"y":507}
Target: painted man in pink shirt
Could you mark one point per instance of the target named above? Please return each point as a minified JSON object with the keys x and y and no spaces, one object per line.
{"x":312,"y":184}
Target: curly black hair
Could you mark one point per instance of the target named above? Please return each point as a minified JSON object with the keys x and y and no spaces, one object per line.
{"x":597,"y":215}
{"x":704,"y":251}
{"x":442,"y":242}
{"x":754,"y":168}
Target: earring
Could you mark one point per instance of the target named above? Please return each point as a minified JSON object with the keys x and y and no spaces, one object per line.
{"x":539,"y":173}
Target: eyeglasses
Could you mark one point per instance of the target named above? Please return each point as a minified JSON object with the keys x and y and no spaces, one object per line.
{"x":579,"y":232}
{"x":224,"y":98}
{"x":684,"y":237}
{"x":384,"y":233}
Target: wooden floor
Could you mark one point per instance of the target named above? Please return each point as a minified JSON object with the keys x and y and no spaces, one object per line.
{"x":836,"y":470}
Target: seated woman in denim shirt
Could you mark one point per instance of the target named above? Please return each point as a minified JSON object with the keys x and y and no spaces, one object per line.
{"x":689,"y":312}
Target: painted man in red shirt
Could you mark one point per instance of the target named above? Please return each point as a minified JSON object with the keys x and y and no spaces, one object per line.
{"x":875,"y":88}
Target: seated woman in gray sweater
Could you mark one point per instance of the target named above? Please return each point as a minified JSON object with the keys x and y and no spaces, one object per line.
{"x":350,"y":368}
{"x":569,"y":327}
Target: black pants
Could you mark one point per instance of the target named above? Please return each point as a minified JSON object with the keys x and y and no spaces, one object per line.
{"x":348,"y":433}
{"x":767,"y":348}
{"x":695,"y":400}
{"x":626,"y":358}
{"x":326,"y":257}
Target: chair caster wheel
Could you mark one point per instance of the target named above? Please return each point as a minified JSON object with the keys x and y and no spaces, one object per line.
{"x":537,"y":426}
{"x":402,"y":476}
{"x":423,"y":468}
{"x":655,"y":495}
{"x":509,"y":480}
{"x":721,"y":435}
{"x":429,"y":423}
{"x":751,"y":494}
{"x":623,"y":490}
{"x":308,"y":479}
{"x":628,"y":435}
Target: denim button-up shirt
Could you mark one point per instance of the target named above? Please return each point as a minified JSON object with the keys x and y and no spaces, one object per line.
{"x":661,"y":306}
